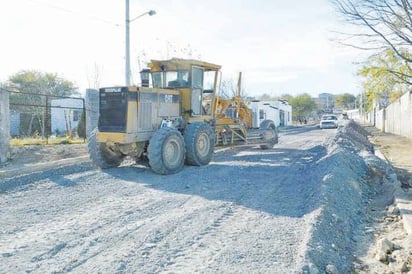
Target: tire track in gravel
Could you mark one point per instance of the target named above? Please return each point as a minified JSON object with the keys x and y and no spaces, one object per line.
{"x":64,"y":200}
{"x":197,"y":250}
{"x":105,"y":237}
{"x":209,"y":252}
{"x":84,"y":260}
{"x":105,"y":208}
{"x":12,"y":183}
{"x":211,"y":242}
{"x":248,"y":211}
{"x":116,"y":239}
{"x":160,"y":240}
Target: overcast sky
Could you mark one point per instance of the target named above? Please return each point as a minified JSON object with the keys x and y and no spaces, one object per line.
{"x":280,"y":46}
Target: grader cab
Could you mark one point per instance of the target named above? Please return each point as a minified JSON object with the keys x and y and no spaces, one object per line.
{"x":176,"y":121}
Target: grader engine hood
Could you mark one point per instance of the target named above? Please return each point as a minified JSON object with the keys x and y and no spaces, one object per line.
{"x":113,"y":109}
{"x":133,"y":114}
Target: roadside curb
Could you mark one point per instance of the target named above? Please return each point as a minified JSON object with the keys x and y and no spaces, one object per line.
{"x":402,"y":200}
{"x":13,"y":172}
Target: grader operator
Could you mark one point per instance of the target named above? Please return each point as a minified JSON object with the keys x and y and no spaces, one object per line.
{"x":176,"y":121}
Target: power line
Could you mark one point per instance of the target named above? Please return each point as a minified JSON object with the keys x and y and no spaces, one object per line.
{"x":92,"y":17}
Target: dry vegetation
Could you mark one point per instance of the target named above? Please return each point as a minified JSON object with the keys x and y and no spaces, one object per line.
{"x":43,"y":141}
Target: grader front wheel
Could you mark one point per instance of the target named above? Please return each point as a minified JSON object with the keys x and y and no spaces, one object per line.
{"x":200,"y":144}
{"x":269,"y":134}
{"x":166,"y":151}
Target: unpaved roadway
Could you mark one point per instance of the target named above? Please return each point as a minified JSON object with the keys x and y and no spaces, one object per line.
{"x":249,"y":211}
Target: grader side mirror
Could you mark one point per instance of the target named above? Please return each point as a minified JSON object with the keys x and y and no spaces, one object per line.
{"x":144,"y":76}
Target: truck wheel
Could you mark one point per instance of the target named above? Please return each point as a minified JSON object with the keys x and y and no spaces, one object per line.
{"x":101,"y":156}
{"x":267,"y":124}
{"x":269,"y":134}
{"x":166,"y":151}
{"x":200,"y":144}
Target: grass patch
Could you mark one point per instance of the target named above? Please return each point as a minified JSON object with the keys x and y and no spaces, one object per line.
{"x":39,"y":141}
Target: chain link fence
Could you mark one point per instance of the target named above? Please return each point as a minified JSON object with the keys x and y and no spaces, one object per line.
{"x":41,"y":116}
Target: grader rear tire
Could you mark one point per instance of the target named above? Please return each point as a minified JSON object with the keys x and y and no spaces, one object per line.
{"x":166,"y":151}
{"x":269,"y":134}
{"x":101,"y":156}
{"x":200,"y":144}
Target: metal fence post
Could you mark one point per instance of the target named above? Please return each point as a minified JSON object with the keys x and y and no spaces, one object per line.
{"x":4,"y":125}
{"x":84,"y":119}
{"x":46,"y":120}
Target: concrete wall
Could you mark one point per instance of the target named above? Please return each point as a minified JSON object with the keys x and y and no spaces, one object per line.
{"x":92,"y":110}
{"x":396,"y":118}
{"x":353,"y":114}
{"x":405,"y":119}
{"x":371,"y":117}
{"x":380,"y":119}
{"x":4,"y":126}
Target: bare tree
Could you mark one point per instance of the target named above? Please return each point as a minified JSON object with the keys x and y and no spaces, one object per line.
{"x":267,"y":97}
{"x":142,"y":60}
{"x":180,"y":51}
{"x":170,"y":50}
{"x":229,"y":88}
{"x":379,"y":24}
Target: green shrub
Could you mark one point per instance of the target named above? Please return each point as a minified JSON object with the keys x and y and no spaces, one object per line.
{"x":81,"y":127}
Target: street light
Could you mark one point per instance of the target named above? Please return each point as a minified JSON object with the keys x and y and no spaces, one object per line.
{"x":150,"y":12}
{"x":127,"y":69}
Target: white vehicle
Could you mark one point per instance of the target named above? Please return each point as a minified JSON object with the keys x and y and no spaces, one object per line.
{"x":328,"y":121}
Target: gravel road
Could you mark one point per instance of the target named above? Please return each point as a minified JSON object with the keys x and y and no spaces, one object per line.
{"x":249,"y":211}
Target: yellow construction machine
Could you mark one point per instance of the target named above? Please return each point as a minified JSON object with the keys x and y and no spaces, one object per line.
{"x":178,"y":120}
{"x":234,"y":122}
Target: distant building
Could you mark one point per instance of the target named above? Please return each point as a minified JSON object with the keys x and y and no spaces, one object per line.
{"x":65,"y":115}
{"x":325,"y":102}
{"x":280,"y":112}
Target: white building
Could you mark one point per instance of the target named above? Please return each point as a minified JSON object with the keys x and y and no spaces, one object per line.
{"x":65,"y":114}
{"x":280,"y":112}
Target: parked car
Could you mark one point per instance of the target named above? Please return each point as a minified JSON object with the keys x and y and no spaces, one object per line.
{"x":328,"y":121}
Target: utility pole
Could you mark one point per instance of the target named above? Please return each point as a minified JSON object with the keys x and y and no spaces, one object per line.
{"x":361,"y":108}
{"x":127,"y":55}
{"x":127,"y":68}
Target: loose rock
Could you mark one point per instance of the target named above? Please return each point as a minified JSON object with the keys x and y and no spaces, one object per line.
{"x":393,"y":210}
{"x":331,"y":269}
{"x":383,"y":247}
{"x":404,"y":268}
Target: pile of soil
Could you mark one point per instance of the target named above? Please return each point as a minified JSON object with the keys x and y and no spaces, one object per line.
{"x":32,"y":154}
{"x":356,"y":211}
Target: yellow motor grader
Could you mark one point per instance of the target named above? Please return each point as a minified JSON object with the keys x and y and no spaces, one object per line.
{"x":178,"y":120}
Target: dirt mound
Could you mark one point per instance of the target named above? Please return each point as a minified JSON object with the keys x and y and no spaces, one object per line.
{"x":32,"y":154}
{"x":353,"y":137}
{"x":345,"y":192}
